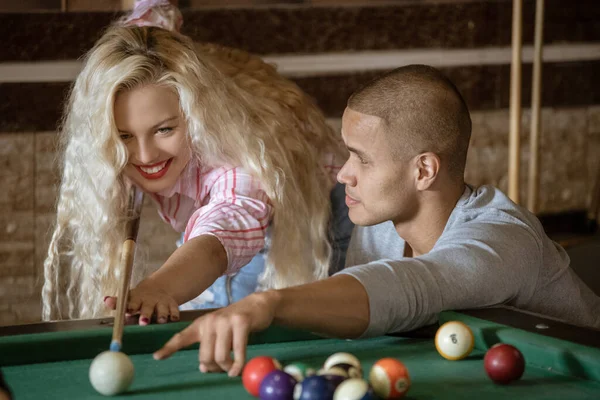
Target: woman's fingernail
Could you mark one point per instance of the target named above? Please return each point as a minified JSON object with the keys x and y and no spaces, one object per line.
{"x":105,"y":297}
{"x":174,"y":318}
{"x":144,"y":320}
{"x":162,"y":320}
{"x":202,"y":368}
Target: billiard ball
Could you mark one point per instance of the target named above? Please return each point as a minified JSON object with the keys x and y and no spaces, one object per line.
{"x":111,"y":372}
{"x":255,"y":371}
{"x":389,"y":378}
{"x":345,"y":361}
{"x":333,"y":371}
{"x":354,"y":389}
{"x":299,"y":370}
{"x":454,"y":340}
{"x":504,"y":363}
{"x":335,"y":375}
{"x":316,"y":387}
{"x":277,"y":385}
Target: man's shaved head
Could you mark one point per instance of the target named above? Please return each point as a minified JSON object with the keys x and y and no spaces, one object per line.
{"x":421,"y":111}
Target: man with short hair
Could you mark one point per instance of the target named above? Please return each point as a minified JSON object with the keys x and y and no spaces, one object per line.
{"x":425,"y":241}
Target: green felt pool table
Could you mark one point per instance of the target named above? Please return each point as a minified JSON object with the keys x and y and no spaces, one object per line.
{"x":562,"y":362}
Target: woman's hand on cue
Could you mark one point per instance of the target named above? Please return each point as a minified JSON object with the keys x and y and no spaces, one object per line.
{"x":148,"y":300}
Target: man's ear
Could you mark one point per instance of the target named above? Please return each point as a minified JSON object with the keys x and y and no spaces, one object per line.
{"x":427,"y":169}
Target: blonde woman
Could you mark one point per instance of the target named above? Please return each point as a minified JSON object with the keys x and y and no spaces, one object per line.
{"x":235,"y":157}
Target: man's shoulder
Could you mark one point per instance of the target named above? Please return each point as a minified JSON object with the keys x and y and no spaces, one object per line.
{"x":488,"y":205}
{"x":491,"y":201}
{"x":485,"y":196}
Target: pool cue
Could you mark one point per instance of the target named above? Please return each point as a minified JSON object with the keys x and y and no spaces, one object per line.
{"x":515,"y":104}
{"x":134,"y":208}
{"x":533,"y":187}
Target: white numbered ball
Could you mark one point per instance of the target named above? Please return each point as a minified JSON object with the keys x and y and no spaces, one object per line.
{"x":336,"y":371}
{"x":454,"y":340}
{"x":111,"y":373}
{"x":345,"y":361}
{"x":354,"y":389}
{"x":299,"y":371}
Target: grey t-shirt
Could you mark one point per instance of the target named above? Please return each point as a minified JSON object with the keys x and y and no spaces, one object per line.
{"x":491,"y":252}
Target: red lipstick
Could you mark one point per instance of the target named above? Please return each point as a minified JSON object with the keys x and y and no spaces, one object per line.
{"x":155,"y":175}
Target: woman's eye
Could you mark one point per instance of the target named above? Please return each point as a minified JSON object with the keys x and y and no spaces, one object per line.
{"x":164,"y":130}
{"x":125,"y":136}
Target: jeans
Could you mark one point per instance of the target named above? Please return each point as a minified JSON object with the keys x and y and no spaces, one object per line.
{"x":229,"y":289}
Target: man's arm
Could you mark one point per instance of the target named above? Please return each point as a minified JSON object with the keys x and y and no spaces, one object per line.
{"x":337,"y":306}
{"x":478,"y":265}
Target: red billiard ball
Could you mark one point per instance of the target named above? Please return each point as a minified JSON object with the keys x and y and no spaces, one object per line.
{"x":256,"y":370}
{"x":504,"y":363}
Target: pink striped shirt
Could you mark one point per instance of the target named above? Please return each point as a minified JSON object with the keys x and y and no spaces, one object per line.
{"x":226,"y":202}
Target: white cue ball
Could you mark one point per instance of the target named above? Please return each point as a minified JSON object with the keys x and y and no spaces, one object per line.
{"x":454,"y":340}
{"x":111,"y":373}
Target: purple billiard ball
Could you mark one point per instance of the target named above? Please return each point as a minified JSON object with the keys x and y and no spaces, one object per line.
{"x":316,"y":387}
{"x":277,"y":385}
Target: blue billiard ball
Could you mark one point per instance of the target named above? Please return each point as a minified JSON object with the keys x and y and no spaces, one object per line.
{"x":277,"y":385}
{"x":335,"y":379}
{"x":315,"y":388}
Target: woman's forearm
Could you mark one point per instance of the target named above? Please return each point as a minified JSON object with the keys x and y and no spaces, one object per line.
{"x":191,"y":269}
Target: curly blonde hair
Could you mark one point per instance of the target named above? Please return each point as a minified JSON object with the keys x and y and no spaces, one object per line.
{"x":239,"y":111}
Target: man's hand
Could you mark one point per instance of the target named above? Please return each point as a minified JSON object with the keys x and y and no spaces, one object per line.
{"x":335,"y":307}
{"x":224,"y":330}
